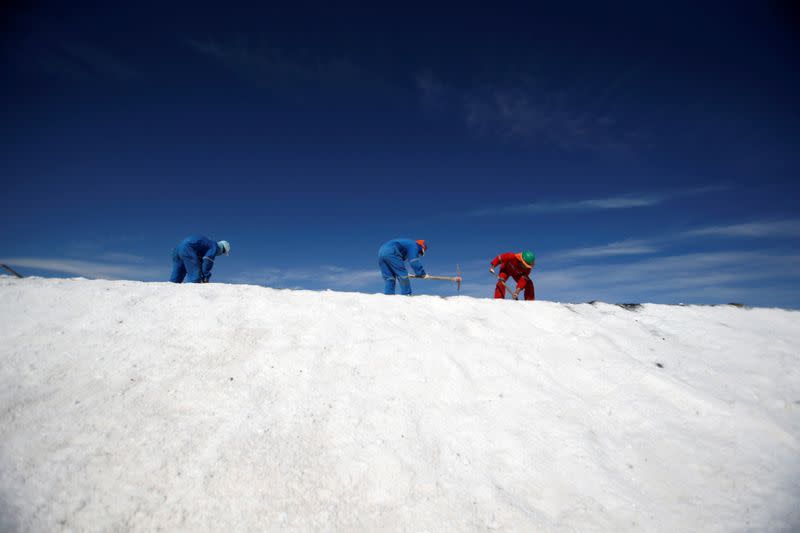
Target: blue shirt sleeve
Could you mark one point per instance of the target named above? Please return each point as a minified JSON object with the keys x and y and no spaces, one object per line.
{"x":208,"y":260}
{"x":416,"y":262}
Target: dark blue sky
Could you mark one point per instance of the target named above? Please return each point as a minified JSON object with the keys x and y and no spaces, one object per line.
{"x":645,"y":153}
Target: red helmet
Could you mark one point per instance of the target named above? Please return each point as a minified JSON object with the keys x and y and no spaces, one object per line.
{"x":422,"y":245}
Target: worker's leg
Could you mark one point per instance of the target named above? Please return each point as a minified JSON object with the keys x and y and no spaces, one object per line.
{"x":405,"y":285}
{"x":388,"y":285}
{"x":387,"y":266}
{"x":500,"y":288}
{"x":530,"y":290}
{"x":192,"y":264}
{"x":178,"y":269}
{"x":398,"y":268}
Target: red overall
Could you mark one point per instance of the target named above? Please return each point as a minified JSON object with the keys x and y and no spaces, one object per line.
{"x":513,"y":266}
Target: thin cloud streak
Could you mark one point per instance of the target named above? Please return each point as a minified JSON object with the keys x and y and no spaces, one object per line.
{"x":326,"y":276}
{"x":630,"y":247}
{"x":270,"y":66}
{"x":657,"y":279}
{"x":80,"y":61}
{"x":100,"y":62}
{"x":546,"y":116}
{"x":614,"y":202}
{"x":647,"y":246}
{"x":785,"y":228}
{"x":569,"y":118}
{"x":432,"y":93}
{"x":86,"y":269}
{"x":627,"y":201}
{"x":623,"y":202}
{"x":116,"y":257}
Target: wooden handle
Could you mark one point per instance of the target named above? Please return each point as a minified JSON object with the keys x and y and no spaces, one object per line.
{"x":443,"y":278}
{"x":12,"y":270}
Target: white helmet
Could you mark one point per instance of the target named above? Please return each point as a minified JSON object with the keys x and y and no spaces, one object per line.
{"x":225,"y":247}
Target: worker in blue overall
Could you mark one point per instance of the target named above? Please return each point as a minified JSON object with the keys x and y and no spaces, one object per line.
{"x":391,"y":260}
{"x":193,"y":258}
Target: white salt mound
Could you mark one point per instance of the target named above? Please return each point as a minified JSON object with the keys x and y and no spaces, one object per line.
{"x":128,"y":406}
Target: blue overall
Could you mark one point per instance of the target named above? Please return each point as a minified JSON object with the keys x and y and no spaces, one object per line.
{"x":391,"y":260}
{"x":193,"y":259}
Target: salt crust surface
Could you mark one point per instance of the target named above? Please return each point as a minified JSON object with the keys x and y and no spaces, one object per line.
{"x":129,"y":406}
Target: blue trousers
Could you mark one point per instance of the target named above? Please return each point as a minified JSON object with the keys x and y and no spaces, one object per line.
{"x":393,"y":268}
{"x":185,"y":265}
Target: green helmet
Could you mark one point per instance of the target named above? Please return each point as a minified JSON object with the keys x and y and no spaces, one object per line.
{"x":529,"y":257}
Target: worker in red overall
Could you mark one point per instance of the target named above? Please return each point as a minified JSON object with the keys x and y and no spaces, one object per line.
{"x":517,"y":266}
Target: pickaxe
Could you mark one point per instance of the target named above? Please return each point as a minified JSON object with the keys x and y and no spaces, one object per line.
{"x":501,"y":280}
{"x":457,"y":278}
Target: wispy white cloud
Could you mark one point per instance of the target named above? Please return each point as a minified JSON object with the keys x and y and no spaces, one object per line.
{"x":272,"y":66}
{"x":628,"y":247}
{"x":86,"y":269}
{"x":660,"y":278}
{"x":80,"y":61}
{"x":325,"y":276}
{"x":432,"y":92}
{"x":116,"y":257}
{"x":692,"y":191}
{"x":784,"y":228}
{"x":620,"y":202}
{"x":614,"y":202}
{"x":570,"y":118}
{"x":549,"y":116}
{"x":100,"y":61}
{"x":625,"y":201}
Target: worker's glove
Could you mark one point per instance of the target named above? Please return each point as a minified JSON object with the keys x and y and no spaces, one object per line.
{"x":491,"y":269}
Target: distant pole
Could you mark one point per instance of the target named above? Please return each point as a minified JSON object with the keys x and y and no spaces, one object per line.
{"x":11,"y":270}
